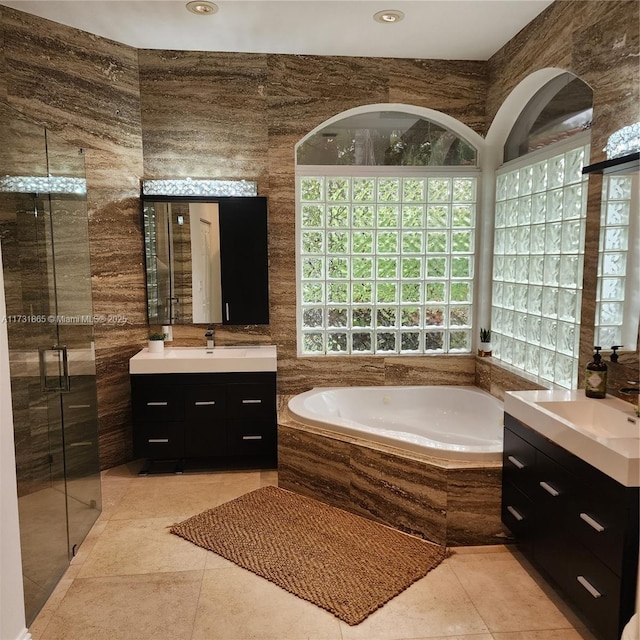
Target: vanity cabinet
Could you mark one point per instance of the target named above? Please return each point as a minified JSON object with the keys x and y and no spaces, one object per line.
{"x":575,"y":523}
{"x":227,"y":418}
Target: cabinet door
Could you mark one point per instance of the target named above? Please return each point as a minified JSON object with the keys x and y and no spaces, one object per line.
{"x":244,"y":261}
{"x":205,"y":428}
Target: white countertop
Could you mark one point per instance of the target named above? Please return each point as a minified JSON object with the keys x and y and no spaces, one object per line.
{"x":203,"y":360}
{"x":605,"y":433}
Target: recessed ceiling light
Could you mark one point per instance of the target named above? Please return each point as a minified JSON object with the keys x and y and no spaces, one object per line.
{"x":388,"y":16}
{"x":202,"y":7}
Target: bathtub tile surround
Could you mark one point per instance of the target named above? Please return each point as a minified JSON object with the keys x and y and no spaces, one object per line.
{"x":389,"y":488}
{"x":427,"y":370}
{"x":314,"y":465}
{"x":473,"y":499}
{"x":455,"y":504}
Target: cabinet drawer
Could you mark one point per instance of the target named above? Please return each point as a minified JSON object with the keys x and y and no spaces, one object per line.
{"x":251,"y":401}
{"x":255,"y":437}
{"x":599,"y":524}
{"x":518,"y":513}
{"x":518,"y":464}
{"x":205,"y":402}
{"x":162,"y":440}
{"x":596,"y":591}
{"x":158,"y":403}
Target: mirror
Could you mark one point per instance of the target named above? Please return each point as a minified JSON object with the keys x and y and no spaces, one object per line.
{"x":206,"y":260}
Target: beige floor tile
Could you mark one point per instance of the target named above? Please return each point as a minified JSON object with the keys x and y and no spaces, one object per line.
{"x":510,"y":595}
{"x":436,"y":605}
{"x":556,"y":634}
{"x":235,"y":604}
{"x":159,"y":496}
{"x":490,"y":548}
{"x":473,"y":636}
{"x":145,"y":607}
{"x":214,"y":561}
{"x":128,"y":547}
{"x":88,"y":543}
{"x":43,"y":618}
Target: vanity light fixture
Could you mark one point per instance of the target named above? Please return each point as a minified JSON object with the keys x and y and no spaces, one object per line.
{"x":624,"y":141}
{"x":202,"y":7}
{"x":388,"y":16}
{"x":43,"y":184}
{"x":194,"y":187}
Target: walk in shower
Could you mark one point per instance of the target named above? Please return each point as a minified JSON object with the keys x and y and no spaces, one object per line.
{"x":45,"y":255}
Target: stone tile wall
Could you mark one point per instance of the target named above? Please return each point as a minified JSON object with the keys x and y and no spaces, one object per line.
{"x":157,"y":114}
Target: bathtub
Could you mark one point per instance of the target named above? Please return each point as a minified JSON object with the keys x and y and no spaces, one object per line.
{"x":454,"y":423}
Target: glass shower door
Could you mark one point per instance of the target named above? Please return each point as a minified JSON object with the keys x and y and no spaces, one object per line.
{"x":75,"y":331}
{"x":43,"y":230}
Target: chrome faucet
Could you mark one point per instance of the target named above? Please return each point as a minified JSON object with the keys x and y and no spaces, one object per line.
{"x":209,"y":337}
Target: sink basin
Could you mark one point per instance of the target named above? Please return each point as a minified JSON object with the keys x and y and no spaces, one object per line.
{"x":203,"y":360}
{"x":197,"y":354}
{"x":603,"y":432}
{"x":597,"y":418}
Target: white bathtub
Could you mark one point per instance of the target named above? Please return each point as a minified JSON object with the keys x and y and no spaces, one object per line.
{"x":450,"y":422}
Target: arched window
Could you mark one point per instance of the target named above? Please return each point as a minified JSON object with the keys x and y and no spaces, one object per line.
{"x":541,"y":198}
{"x":559,"y":110}
{"x":386,"y":212}
{"x":385,"y":138}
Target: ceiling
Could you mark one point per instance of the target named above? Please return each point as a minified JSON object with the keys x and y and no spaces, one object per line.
{"x":445,"y":29}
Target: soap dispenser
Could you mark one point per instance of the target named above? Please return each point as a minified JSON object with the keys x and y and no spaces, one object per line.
{"x":596,"y":377}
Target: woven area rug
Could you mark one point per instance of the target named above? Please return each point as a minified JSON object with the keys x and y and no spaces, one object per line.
{"x":339,"y":561}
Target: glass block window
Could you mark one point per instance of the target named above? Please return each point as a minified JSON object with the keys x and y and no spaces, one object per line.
{"x":617,"y":301}
{"x":385,"y":263}
{"x":538,"y":261}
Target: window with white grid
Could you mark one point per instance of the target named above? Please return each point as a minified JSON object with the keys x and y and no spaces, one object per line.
{"x":538,"y":262}
{"x":385,"y":262}
{"x":617,"y":301}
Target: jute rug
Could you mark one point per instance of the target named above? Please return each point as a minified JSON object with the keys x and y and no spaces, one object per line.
{"x":339,"y":561}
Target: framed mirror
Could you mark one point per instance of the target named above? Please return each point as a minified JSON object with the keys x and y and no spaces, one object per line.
{"x":206,"y":260}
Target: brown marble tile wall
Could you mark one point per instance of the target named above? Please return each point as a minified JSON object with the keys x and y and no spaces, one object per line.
{"x":239,"y":116}
{"x":85,"y":89}
{"x":599,"y":42}
{"x":245,"y":120}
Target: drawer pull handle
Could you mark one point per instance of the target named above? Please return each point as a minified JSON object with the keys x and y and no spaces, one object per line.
{"x":252,"y":402}
{"x":79,"y":406}
{"x":157,"y":404}
{"x":158,"y":440}
{"x":204,"y":403}
{"x":592,"y":523}
{"x":514,"y":513}
{"x":549,"y":489}
{"x":252,"y":437}
{"x":515,"y":462}
{"x":589,"y":587}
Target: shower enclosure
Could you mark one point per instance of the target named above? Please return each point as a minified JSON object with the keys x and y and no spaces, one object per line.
{"x":45,"y":254}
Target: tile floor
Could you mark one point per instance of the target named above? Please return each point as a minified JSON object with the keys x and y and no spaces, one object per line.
{"x":133,"y":580}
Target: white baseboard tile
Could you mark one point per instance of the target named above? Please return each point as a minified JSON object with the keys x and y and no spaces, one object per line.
{"x":24,"y":635}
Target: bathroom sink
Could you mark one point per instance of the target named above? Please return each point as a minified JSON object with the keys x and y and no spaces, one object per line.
{"x":203,"y":360}
{"x":599,"y":419}
{"x":196,"y":353}
{"x":603,"y":432}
